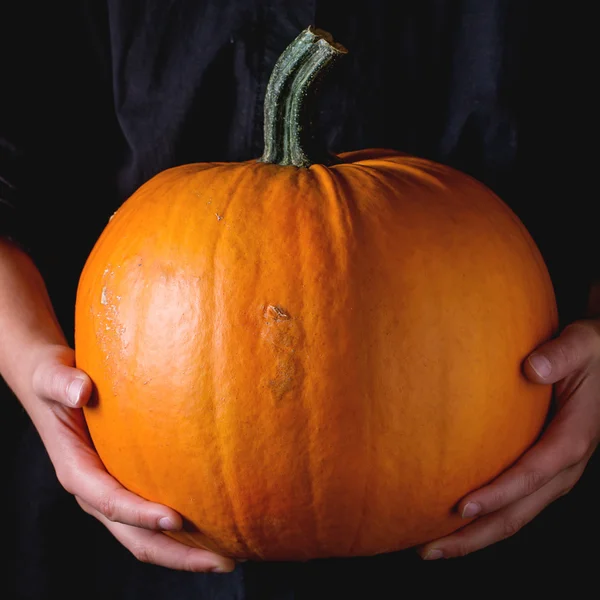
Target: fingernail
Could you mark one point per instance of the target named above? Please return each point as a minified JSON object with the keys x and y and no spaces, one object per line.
{"x":220,"y":570}
{"x":470,"y":510}
{"x":167,"y":524}
{"x":74,"y":391}
{"x":540,"y":364}
{"x":433,"y":554}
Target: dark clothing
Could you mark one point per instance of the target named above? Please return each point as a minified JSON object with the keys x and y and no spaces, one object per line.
{"x":96,"y":97}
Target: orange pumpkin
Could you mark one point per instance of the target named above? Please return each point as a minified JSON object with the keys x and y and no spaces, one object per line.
{"x":312,"y":357}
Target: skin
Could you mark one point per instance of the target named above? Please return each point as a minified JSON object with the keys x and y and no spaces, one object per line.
{"x":37,"y":363}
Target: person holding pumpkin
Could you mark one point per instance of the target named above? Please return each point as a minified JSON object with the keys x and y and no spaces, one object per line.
{"x":161,"y":103}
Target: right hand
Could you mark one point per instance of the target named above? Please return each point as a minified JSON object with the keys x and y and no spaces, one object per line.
{"x":38,"y":365}
{"x":61,"y":390}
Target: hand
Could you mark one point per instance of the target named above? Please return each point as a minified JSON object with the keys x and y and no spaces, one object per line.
{"x":61,"y":390}
{"x":555,"y":463}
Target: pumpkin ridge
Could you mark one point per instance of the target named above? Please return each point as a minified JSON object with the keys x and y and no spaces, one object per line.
{"x":300,"y":250}
{"x":344,"y":219}
{"x":238,"y":522}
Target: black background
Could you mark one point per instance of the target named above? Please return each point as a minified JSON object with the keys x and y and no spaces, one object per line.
{"x":96,"y":97}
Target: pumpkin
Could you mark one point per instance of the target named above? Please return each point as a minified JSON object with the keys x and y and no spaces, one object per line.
{"x":309,"y":355}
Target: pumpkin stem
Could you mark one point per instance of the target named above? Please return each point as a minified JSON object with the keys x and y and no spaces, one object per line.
{"x":289,"y":98}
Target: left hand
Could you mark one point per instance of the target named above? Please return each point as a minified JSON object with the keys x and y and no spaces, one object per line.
{"x":551,"y":467}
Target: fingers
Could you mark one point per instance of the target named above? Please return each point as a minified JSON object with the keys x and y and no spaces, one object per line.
{"x":116,"y":504}
{"x":134,"y":521}
{"x":562,"y":446}
{"x":156,"y":548}
{"x":55,"y":379}
{"x":82,"y":474}
{"x":137,"y":523}
{"x":548,"y":470}
{"x":576,"y":347}
{"x":501,"y":524}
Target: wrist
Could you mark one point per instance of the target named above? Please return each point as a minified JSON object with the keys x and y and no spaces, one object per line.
{"x":28,"y":324}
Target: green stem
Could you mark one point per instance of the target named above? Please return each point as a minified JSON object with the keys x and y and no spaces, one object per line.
{"x":289,"y":99}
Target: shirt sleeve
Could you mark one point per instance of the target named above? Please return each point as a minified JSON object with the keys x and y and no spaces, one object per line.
{"x":11,"y":222}
{"x":11,"y":132}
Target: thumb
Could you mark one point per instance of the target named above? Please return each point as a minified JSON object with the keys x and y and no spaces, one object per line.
{"x":572,"y":350}
{"x":56,"y":379}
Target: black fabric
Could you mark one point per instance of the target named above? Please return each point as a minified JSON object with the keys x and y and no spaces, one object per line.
{"x":98,"y":96}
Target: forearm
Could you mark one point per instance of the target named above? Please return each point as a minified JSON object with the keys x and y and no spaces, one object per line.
{"x":27,"y":320}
